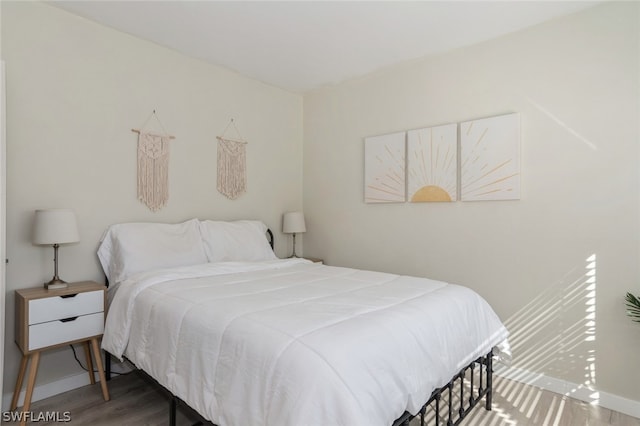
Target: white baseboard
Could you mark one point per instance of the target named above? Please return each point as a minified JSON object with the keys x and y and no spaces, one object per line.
{"x":573,"y":390}
{"x":65,"y":384}
{"x":49,"y":389}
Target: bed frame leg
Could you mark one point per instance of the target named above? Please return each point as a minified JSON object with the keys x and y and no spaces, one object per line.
{"x":172,"y":410}
{"x":489,"y":380}
{"x":107,"y":365}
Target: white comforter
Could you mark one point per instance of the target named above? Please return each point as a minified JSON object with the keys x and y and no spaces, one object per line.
{"x":294,"y":343}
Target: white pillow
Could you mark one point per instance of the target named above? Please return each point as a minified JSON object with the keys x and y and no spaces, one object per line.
{"x":242,"y":240}
{"x":129,"y":248}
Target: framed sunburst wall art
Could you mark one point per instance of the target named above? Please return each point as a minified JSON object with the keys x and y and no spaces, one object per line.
{"x":432,"y":164}
{"x":490,"y":158}
{"x":384,"y":168}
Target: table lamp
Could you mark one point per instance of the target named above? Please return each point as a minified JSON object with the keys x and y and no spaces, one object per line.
{"x":293,"y":223}
{"x":55,"y":227}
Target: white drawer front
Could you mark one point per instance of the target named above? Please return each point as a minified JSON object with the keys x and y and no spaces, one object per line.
{"x":54,"y":308}
{"x":55,"y":332}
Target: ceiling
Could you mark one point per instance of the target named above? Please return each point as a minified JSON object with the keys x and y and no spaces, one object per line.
{"x":303,"y":45}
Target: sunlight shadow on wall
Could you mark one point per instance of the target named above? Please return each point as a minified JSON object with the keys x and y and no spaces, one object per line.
{"x":553,"y":335}
{"x":562,"y":124}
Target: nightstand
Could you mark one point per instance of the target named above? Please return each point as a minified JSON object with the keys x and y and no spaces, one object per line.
{"x":47,"y":319}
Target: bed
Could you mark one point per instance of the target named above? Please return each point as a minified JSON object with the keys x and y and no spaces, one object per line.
{"x":243,"y":338}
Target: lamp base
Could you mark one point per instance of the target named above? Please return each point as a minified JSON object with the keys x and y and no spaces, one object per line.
{"x":55,"y":283}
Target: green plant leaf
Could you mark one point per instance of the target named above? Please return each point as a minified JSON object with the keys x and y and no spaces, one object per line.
{"x":633,"y":307}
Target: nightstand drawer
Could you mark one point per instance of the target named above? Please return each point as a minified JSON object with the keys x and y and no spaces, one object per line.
{"x":61,"y":331}
{"x":57,"y":307}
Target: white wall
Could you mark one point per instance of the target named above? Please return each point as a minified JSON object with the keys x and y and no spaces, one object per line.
{"x":74,"y":91}
{"x":3,"y":166}
{"x":575,"y":83}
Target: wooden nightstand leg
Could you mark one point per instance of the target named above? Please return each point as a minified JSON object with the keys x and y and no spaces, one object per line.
{"x":103,"y":381}
{"x":33,"y":372}
{"x":87,"y":355}
{"x":16,"y":392}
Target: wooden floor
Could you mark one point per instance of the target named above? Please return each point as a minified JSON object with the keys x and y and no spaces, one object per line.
{"x":136,"y":401}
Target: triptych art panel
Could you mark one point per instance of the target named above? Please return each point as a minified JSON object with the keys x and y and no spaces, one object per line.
{"x":384,"y":169}
{"x":435,"y":164}
{"x":432,"y":164}
{"x":490,"y":158}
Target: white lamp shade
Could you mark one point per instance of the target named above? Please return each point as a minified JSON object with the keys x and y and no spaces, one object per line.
{"x":293,"y":223}
{"x":55,"y":226}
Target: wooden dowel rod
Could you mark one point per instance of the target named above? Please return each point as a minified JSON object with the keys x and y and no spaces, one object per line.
{"x":220,"y":138}
{"x":138,"y":131}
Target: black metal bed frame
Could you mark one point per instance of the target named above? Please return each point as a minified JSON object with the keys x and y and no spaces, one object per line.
{"x":451,"y":403}
{"x":446,"y":406}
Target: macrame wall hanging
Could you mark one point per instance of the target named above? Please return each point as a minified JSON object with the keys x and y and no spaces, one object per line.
{"x":232,"y":164}
{"x":153,"y":166}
